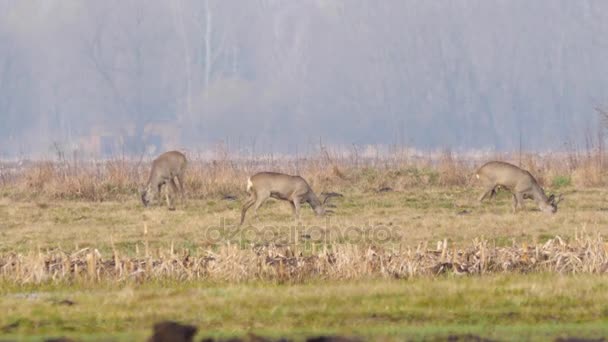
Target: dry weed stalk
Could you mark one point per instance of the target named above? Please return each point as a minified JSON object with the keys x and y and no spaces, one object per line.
{"x":229,"y":263}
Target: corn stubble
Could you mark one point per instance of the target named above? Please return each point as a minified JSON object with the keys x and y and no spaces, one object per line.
{"x":230,"y":263}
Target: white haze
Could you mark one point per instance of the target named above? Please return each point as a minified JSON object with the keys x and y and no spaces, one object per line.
{"x":96,"y":76}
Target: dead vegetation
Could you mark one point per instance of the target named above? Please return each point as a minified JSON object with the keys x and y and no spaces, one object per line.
{"x":225,"y":175}
{"x":230,"y":263}
{"x":351,"y":174}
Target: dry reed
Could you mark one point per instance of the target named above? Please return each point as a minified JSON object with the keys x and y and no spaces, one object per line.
{"x":230,"y":263}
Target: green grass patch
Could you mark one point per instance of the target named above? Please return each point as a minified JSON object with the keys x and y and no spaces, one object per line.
{"x":516,"y":307}
{"x":561,"y":181}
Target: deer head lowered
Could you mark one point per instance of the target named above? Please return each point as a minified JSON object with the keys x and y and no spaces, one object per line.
{"x":293,"y":189}
{"x":165,"y":169}
{"x":520,"y":183}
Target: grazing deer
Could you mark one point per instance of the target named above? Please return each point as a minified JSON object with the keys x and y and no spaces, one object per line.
{"x":165,"y":169}
{"x":520,"y":183}
{"x":293,"y":189}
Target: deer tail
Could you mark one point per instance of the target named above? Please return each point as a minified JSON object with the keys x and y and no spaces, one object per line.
{"x":249,"y":184}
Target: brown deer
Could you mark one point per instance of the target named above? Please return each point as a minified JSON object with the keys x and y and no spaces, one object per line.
{"x":520,"y":183}
{"x":293,"y":189}
{"x":165,"y":168}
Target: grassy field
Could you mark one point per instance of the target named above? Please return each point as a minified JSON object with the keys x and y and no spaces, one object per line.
{"x":419,"y":260}
{"x":509,"y":306}
{"x":411,"y":216}
{"x":505,"y":307}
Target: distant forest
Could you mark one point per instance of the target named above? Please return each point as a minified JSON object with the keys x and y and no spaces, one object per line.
{"x":98,"y":76}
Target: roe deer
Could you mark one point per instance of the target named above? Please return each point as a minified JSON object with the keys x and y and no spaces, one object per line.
{"x":520,"y":183}
{"x":293,"y":189}
{"x":165,"y":169}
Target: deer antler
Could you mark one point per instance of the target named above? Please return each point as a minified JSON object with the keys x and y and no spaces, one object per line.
{"x":328,"y":195}
{"x":560,"y":198}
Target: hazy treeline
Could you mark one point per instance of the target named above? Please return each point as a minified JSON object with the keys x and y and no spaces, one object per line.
{"x":283,"y":74}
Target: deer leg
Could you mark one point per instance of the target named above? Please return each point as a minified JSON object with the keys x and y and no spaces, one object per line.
{"x":519,"y":198}
{"x":521,"y":201}
{"x":169,"y":204}
{"x":173,"y":186}
{"x":159,"y":194}
{"x":180,"y":180}
{"x":296,"y":208}
{"x":493,"y":193}
{"x":293,"y":208}
{"x":486,"y":193}
{"x":175,"y":189}
{"x":514,"y":203}
{"x":250,"y":201}
{"x":261,"y":198}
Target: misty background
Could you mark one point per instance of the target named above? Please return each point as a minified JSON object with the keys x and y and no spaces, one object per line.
{"x":123,"y":76}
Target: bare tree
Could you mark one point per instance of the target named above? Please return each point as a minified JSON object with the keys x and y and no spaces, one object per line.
{"x":126,"y":52}
{"x":459,"y":73}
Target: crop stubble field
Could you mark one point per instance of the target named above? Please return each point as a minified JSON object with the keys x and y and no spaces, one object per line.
{"x":408,"y":253}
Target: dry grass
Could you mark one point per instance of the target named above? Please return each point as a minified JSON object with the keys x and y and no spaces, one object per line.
{"x":398,"y":234}
{"x":583,"y":255}
{"x":120,"y":177}
{"x":408,"y":226}
{"x":411,"y":217}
